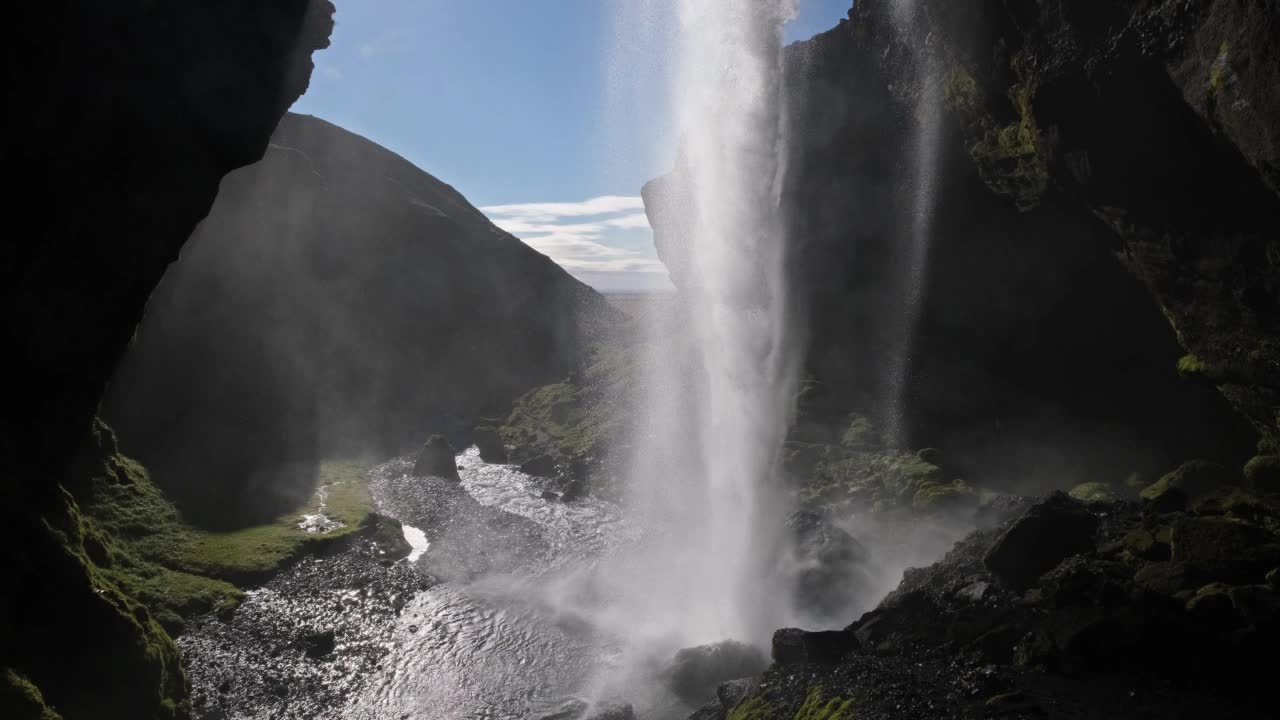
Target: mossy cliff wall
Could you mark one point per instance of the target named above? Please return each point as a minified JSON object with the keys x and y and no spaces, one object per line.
{"x":1079,"y":148}
{"x":123,"y":117}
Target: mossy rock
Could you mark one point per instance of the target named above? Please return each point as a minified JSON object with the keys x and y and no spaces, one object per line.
{"x":1262,"y":474}
{"x":935,"y":497}
{"x":818,"y":705}
{"x":1093,"y":493}
{"x":21,"y":699}
{"x":1194,"y":478}
{"x":860,"y":435}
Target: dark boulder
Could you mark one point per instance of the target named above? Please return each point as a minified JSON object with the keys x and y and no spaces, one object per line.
{"x":574,"y":490}
{"x":695,"y":673}
{"x":1164,"y":578}
{"x":792,"y":646}
{"x":489,"y":442}
{"x":318,"y":643}
{"x":831,"y":575}
{"x":1262,"y":474}
{"x":540,"y":466}
{"x":1225,"y":549}
{"x":436,"y":458}
{"x":1048,"y":533}
{"x":733,"y":692}
{"x":387,"y":534}
{"x":1194,"y":478}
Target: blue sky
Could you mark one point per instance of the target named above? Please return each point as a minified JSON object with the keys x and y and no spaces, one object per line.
{"x":547,"y":114}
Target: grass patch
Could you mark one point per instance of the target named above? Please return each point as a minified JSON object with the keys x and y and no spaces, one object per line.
{"x":819,"y":707}
{"x":138,"y":539}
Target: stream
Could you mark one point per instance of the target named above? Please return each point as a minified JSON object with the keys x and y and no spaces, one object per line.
{"x":490,"y":617}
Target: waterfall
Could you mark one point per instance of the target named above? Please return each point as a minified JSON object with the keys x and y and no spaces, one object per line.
{"x":927,"y":90}
{"x":721,"y":373}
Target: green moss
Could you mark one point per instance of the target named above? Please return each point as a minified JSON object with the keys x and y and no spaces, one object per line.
{"x":1195,"y":478}
{"x":560,"y":418}
{"x":753,"y":707}
{"x":1220,"y":67}
{"x":961,"y":91}
{"x":819,"y":707}
{"x":933,"y":497}
{"x":255,"y":552}
{"x":1191,"y":366}
{"x":22,"y":699}
{"x":860,"y":434}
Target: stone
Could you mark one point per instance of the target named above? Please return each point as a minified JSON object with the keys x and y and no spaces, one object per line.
{"x":1194,"y":478}
{"x":1262,"y":474}
{"x":793,"y":646}
{"x":711,"y":711}
{"x":1145,"y":544}
{"x":489,"y":442}
{"x":388,"y":535}
{"x":831,"y":567}
{"x":1163,"y":578}
{"x":1093,"y":493}
{"x":611,"y":711}
{"x":436,"y":458}
{"x":1212,"y":605}
{"x":730,"y":694}
{"x":317,"y":644}
{"x":573,"y":491}
{"x":1049,"y":532}
{"x":540,"y":466}
{"x":695,"y":673}
{"x":1225,"y":549}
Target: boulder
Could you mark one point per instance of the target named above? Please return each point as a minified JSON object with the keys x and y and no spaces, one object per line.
{"x":733,"y":692}
{"x":1093,"y":493}
{"x":318,"y":643}
{"x":1164,"y":578}
{"x":1148,"y":544}
{"x":695,"y":673}
{"x":611,"y":711}
{"x":1194,"y":478}
{"x":574,"y":490}
{"x":1049,"y":532}
{"x":540,"y":466}
{"x":489,"y":442}
{"x":1262,"y":474}
{"x":793,"y":646}
{"x":436,"y":458}
{"x":388,"y":535}
{"x":831,"y":567}
{"x":1225,"y":549}
{"x":710,"y":711}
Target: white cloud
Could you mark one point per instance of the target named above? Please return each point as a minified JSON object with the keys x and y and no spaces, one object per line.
{"x":603,"y":205}
{"x":577,"y":234}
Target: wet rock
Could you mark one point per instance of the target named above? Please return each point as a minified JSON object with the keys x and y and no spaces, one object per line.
{"x":1093,"y":493}
{"x":731,"y":693}
{"x":1193,"y":478}
{"x":1273,"y":579}
{"x":831,"y":563}
{"x":1164,"y":578}
{"x":611,"y":711}
{"x":1000,"y":509}
{"x":574,"y":490}
{"x":695,"y":673}
{"x":711,"y":711}
{"x":489,"y":442}
{"x":388,"y":535}
{"x":550,"y":495}
{"x":1048,"y":533}
{"x":436,"y":458}
{"x":1262,"y":474}
{"x":1225,"y":548}
{"x":1147,"y":544}
{"x":1212,"y":606}
{"x":793,"y":646}
{"x":540,"y":466}
{"x":318,"y":644}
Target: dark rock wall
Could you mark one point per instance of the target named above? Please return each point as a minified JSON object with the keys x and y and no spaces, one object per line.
{"x":336,"y":301}
{"x":121,"y":119}
{"x":1037,"y":360}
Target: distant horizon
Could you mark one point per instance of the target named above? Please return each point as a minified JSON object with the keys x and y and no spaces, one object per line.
{"x":538,"y":114}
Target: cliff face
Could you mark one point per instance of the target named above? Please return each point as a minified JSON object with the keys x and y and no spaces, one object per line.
{"x":1157,"y":118}
{"x":1070,"y":136}
{"x":336,"y":301}
{"x":122,"y":119}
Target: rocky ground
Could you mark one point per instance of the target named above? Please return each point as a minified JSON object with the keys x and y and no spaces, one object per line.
{"x":1159,"y":608}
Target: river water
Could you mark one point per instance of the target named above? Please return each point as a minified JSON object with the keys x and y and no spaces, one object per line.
{"x":500,"y":617}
